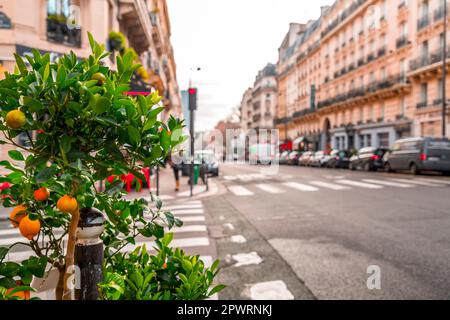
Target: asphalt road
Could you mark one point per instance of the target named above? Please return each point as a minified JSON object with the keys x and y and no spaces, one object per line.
{"x":330,"y":226}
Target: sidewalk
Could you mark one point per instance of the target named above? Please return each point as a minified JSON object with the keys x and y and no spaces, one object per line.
{"x":166,"y":190}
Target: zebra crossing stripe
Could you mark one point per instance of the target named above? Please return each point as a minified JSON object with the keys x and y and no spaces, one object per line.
{"x":300,"y":186}
{"x":229,"y":178}
{"x":184,"y":206}
{"x":421,"y":183}
{"x":193,"y":219}
{"x":176,"y":243}
{"x":192,"y":228}
{"x":434,"y":180}
{"x":360,"y":184}
{"x":328,"y":185}
{"x":388,"y":183}
{"x":186,"y":212}
{"x":268,"y":188}
{"x":240,"y":191}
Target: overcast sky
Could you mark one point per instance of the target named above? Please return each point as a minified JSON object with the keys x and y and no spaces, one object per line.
{"x":230,"y":40}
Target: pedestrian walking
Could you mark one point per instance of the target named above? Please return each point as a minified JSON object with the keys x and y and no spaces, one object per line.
{"x":175,"y":163}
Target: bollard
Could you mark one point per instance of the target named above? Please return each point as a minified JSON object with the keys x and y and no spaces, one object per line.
{"x":89,"y":253}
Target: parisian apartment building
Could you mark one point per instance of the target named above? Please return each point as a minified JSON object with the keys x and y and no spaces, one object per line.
{"x":365,"y":73}
{"x":258,"y":105}
{"x":59,"y":26}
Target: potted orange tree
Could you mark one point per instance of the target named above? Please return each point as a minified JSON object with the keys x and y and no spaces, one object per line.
{"x":82,"y":129}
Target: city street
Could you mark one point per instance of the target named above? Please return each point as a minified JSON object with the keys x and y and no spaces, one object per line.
{"x":328,"y":226}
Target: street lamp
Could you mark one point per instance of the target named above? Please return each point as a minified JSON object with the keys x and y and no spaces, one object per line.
{"x":444,"y":73}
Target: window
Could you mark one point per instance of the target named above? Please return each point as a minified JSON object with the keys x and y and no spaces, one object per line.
{"x":361,"y":114}
{"x":372,"y":77}
{"x":424,"y":50}
{"x":372,"y":113}
{"x":383,"y":139}
{"x":361,"y":141}
{"x":424,"y":9}
{"x":403,"y":68}
{"x":368,"y":140}
{"x":382,"y":111}
{"x":383,"y":73}
{"x":403,"y":29}
{"x":441,"y":42}
{"x":424,"y":93}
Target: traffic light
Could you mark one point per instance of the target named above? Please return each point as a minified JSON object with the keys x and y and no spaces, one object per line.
{"x":192,"y":98}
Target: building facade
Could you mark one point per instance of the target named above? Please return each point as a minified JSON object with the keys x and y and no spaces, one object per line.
{"x":365,"y":73}
{"x":58,"y":26}
{"x":258,"y":105}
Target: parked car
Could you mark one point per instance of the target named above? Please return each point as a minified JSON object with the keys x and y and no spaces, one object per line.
{"x":338,"y":159}
{"x":305,"y":158}
{"x":318,"y":159}
{"x":419,"y":154}
{"x":368,"y":159}
{"x":294,"y":156}
{"x":284,"y":157}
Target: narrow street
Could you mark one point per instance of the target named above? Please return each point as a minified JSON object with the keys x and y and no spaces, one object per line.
{"x":328,"y":226}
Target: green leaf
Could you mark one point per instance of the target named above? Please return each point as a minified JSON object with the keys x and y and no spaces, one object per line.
{"x":34,"y":104}
{"x":3,"y":252}
{"x":46,"y":72}
{"x":216,"y":289}
{"x":21,"y":65}
{"x":15,"y":177}
{"x":154,"y":112}
{"x":9,"y":269}
{"x":16,"y":155}
{"x":36,"y":266}
{"x":134,"y":135}
{"x":187,"y":265}
{"x":102,"y":104}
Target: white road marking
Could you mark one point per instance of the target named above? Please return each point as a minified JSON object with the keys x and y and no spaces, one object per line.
{"x":186,"y":212}
{"x":238,"y":239}
{"x":300,"y":186}
{"x":229,"y":178}
{"x":328,"y":185}
{"x":268,"y":188}
{"x":421,"y":183}
{"x":221,"y":218}
{"x":183,"y":206}
{"x":244,"y":177}
{"x":245,"y":259}
{"x":228,"y":226}
{"x":193,"y":219}
{"x":360,"y":184}
{"x":240,"y":191}
{"x":389,"y":183}
{"x":196,"y":190}
{"x":270,"y":290}
{"x":434,"y":180}
{"x":176,"y":243}
{"x":192,"y":228}
{"x":207,"y":260}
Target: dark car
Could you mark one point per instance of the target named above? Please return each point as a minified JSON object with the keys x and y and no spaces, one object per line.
{"x":368,"y":159}
{"x":284,"y":157}
{"x":419,"y":154}
{"x":293,"y":158}
{"x":338,"y":159}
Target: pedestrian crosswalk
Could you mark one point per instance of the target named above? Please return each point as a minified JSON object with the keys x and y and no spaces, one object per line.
{"x":336,"y":184}
{"x":192,"y":237}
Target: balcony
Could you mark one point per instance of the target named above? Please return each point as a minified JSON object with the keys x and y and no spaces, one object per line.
{"x":343,"y":16}
{"x":428,"y":60}
{"x":421,"y":105}
{"x":401,"y":42}
{"x":59,"y":32}
{"x":423,"y":22}
{"x":371,"y":57}
{"x":256,"y":117}
{"x":437,"y":101}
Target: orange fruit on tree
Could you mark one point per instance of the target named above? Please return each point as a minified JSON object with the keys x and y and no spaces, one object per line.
{"x":17,"y":214}
{"x":29,"y":228}
{"x":15,"y":119}
{"x":41,"y":194}
{"x":67,"y":204}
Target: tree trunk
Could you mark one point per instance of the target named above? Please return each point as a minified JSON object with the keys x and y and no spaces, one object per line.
{"x":60,"y":286}
{"x":70,"y":254}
